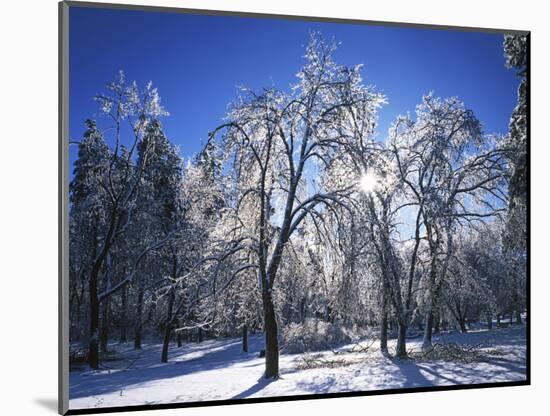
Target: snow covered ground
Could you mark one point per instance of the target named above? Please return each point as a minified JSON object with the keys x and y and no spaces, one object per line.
{"x":217,"y":369}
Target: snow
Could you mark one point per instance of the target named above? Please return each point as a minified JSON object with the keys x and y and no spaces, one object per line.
{"x":218,"y":370}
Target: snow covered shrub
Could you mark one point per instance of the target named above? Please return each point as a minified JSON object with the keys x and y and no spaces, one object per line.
{"x":317,"y":335}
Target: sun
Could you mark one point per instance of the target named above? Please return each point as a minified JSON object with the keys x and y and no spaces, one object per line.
{"x":368,"y":182}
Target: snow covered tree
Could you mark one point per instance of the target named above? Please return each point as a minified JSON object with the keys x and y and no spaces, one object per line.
{"x":272,"y":137}
{"x":383,"y":205}
{"x":191,"y":285}
{"x":516,"y":53}
{"x":160,"y":208}
{"x":466,"y":293}
{"x":121,"y":104}
{"x":88,"y":216}
{"x":454,"y":175}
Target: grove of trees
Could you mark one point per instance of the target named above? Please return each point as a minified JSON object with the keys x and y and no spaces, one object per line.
{"x":296,"y":210}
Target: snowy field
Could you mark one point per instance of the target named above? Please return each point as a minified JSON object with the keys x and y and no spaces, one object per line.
{"x":218,"y":369}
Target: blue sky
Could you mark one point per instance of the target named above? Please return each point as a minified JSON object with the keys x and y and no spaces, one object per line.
{"x":198,"y":61}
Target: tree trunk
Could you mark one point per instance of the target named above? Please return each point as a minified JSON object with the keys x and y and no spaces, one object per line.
{"x":139,"y":317}
{"x":518,"y":317}
{"x":384,"y":333}
{"x":165,"y":344}
{"x":179,"y":335}
{"x":303,"y":310}
{"x":124,"y":316}
{"x":462,"y":323}
{"x":401,"y":349}
{"x":498,"y":320}
{"x":432,"y":291}
{"x":245,"y":338}
{"x":271,"y":341}
{"x":427,"y":341}
{"x":168,"y":328}
{"x":104,"y":334}
{"x":93,"y":347}
{"x":199,"y":338}
{"x":76,"y":332}
{"x":489,"y":320}
{"x":437,"y":323}
{"x":384,"y":318}
{"x":516,"y":304}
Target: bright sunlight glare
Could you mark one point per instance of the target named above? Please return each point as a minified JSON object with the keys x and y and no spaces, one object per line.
{"x":368,"y":182}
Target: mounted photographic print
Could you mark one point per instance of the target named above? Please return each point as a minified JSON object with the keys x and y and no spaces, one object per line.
{"x":260,"y":208}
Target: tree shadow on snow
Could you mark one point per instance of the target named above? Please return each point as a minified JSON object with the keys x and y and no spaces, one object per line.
{"x":410,"y":373}
{"x":261,"y":383}
{"x":150,"y":369}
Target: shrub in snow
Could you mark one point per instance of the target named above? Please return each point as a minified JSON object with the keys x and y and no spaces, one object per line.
{"x":317,"y":335}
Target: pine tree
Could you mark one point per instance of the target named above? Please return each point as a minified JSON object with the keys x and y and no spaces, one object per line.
{"x":88,"y":218}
